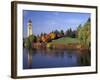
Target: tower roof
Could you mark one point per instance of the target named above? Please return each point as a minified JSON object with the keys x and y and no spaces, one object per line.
{"x":30,"y":21}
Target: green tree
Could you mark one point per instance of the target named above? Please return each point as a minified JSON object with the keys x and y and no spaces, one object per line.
{"x":74,"y":34}
{"x":84,"y":34}
{"x":62,"y":32}
{"x":29,"y":40}
{"x":27,"y":43}
{"x":69,"y":32}
{"x":56,"y":32}
{"x":32,"y":38}
{"x":78,"y":29}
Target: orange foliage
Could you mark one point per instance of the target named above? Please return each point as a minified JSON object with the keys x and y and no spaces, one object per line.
{"x":50,"y":36}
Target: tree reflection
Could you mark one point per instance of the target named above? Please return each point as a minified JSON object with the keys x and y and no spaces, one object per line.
{"x":84,"y":58}
{"x":30,"y":58}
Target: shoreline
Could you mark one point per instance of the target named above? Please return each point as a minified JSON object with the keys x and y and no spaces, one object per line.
{"x":59,"y":46}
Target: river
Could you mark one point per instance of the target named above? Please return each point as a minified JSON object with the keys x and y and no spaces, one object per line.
{"x":51,"y":58}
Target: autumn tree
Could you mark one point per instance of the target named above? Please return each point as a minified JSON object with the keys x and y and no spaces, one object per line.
{"x":57,"y":33}
{"x":52,"y":35}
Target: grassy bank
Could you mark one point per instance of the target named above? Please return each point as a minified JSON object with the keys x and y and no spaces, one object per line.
{"x":65,"y":40}
{"x":66,"y":43}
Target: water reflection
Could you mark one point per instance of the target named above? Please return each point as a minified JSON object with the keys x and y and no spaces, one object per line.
{"x":84,"y":58}
{"x":30,"y":58}
{"x":51,"y":58}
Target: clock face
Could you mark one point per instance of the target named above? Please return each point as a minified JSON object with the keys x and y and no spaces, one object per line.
{"x":30,"y":27}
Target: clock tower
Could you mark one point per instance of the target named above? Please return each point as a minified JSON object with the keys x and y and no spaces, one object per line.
{"x":29,"y":26}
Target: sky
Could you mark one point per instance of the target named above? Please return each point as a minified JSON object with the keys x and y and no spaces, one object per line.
{"x":48,"y":21}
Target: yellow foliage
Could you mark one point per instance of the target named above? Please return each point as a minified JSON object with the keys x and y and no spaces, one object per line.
{"x":52,"y":35}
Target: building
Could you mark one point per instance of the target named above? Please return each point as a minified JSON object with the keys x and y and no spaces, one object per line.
{"x":29,"y":26}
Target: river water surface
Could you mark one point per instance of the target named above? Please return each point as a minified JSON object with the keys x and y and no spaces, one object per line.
{"x":51,"y":58}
